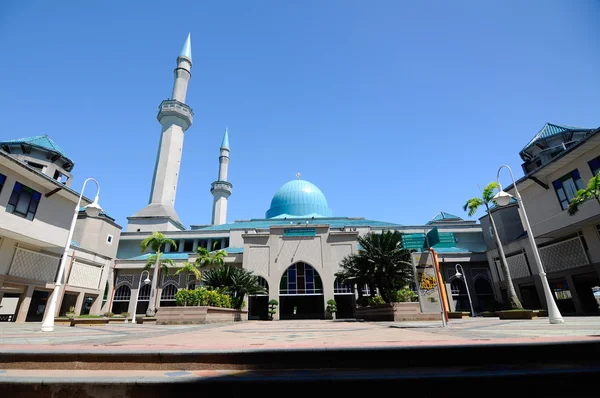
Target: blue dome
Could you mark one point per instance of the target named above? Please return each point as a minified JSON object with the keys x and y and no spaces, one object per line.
{"x":299,"y":198}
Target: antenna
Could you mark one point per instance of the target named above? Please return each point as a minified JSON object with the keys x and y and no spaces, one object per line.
{"x":298,"y":175}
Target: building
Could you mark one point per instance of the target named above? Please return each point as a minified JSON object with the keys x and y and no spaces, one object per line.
{"x":36,"y":209}
{"x":557,"y":162}
{"x":295,"y":250}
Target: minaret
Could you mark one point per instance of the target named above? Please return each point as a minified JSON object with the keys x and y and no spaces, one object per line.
{"x":221,"y":189}
{"x":175,"y":118}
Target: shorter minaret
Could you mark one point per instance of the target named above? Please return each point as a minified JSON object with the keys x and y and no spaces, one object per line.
{"x":221,"y":189}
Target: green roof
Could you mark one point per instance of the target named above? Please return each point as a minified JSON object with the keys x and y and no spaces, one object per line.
{"x":551,"y":130}
{"x":170,"y":256}
{"x":442,"y":215}
{"x":40,"y":141}
{"x":333,"y":222}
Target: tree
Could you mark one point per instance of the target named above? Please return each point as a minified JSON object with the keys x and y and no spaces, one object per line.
{"x":235,"y":281}
{"x":471,"y":206}
{"x":592,"y":191}
{"x":190,"y":269}
{"x":383,"y":263}
{"x":156,"y":242}
{"x":206,"y":258}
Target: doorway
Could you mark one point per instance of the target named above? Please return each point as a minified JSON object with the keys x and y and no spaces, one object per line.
{"x":36,"y":310}
{"x":69,"y":300}
{"x":529,"y":297}
{"x":586,"y":285}
{"x":302,"y":307}
{"x":345,"y":306}
{"x":258,"y":308}
{"x":301,"y":293}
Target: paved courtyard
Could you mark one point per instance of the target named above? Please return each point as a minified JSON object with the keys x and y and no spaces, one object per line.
{"x":292,"y":334}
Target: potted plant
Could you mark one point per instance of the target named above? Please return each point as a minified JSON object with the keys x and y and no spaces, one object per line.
{"x":272,"y":308}
{"x":71,"y":313}
{"x":331,"y":308}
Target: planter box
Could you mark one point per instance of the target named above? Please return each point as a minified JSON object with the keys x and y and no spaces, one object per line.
{"x":458,"y":315}
{"x":524,"y":314}
{"x":542,"y":313}
{"x":89,"y":321}
{"x":489,"y":314}
{"x":395,"y":312}
{"x":204,"y":314}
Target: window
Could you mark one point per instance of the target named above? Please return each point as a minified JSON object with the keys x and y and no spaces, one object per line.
{"x":567,"y":186}
{"x":23,"y":201}
{"x":188,"y":246}
{"x":109,"y":239}
{"x":595,"y":165}
{"x":2,"y":181}
{"x":123,"y":293}
{"x":36,"y":166}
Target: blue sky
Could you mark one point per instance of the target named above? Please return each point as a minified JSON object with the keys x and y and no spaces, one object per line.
{"x":395,"y":109}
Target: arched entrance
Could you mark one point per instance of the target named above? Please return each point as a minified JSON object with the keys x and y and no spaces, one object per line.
{"x":484,"y":293}
{"x":459,"y":295}
{"x":344,"y":299}
{"x":258,"y":305}
{"x":167,"y":297}
{"x":121,"y":299}
{"x":301,"y":293}
{"x":143,"y":299}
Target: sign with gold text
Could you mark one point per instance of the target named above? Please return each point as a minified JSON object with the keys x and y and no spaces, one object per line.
{"x":427,"y":287}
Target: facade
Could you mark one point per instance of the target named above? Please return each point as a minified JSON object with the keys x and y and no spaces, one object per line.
{"x":558,"y":161}
{"x":36,"y":209}
{"x":295,"y":250}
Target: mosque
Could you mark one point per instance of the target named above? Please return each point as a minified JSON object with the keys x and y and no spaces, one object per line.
{"x":295,"y":249}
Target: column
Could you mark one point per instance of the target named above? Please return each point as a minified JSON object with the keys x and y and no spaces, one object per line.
{"x":574,"y":295}
{"x":79,"y":303}
{"x":97,"y":306}
{"x":209,"y":244}
{"x":24,"y":306}
{"x":223,"y":243}
{"x":181,"y":245}
{"x":195,"y":246}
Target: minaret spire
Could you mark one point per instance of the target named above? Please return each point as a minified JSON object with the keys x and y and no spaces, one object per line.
{"x":175,"y":118}
{"x":221,"y":189}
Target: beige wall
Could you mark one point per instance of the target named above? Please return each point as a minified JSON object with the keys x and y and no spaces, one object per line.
{"x":92,"y":233}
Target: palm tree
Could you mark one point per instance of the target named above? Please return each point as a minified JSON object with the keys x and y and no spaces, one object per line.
{"x":190,"y":269}
{"x":592,"y":191}
{"x":206,"y":258}
{"x":157,"y":241}
{"x":235,"y":281}
{"x":471,"y":207}
{"x":382,"y":263}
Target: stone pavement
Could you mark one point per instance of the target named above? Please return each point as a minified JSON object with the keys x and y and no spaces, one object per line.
{"x":291,"y":334}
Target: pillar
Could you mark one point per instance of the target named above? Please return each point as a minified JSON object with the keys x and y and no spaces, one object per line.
{"x":181,"y":245}
{"x":195,"y":246}
{"x":209,"y":244}
{"x":25,"y":303}
{"x":223,"y":243}
{"x":574,"y":295}
{"x":79,"y":303}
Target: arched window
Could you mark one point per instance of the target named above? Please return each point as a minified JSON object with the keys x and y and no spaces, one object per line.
{"x":484,"y":293}
{"x":145,"y":293}
{"x":458,"y":287}
{"x":300,"y":278}
{"x":459,"y":295}
{"x":168,"y":293}
{"x":263,"y":282}
{"x":341,"y":288}
{"x":123,"y":293}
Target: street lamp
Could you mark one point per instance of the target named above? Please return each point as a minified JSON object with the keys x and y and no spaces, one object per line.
{"x":459,"y":275}
{"x":92,"y":210}
{"x":502,"y":199}
{"x":137,"y":293}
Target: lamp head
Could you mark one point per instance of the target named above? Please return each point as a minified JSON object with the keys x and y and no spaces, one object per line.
{"x":147,"y":281}
{"x":458,"y":274}
{"x":502,"y":198}
{"x":93,"y":209}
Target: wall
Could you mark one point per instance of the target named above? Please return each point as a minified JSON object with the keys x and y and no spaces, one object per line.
{"x":508,"y":224}
{"x":91,"y":234}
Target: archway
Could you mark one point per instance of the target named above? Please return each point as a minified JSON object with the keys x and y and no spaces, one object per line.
{"x":484,"y":293}
{"x":167,"y":297}
{"x":301,"y":293}
{"x":344,"y":299}
{"x":258,"y":305}
{"x":459,"y":295}
{"x":143,"y":299}
{"x":121,"y":299}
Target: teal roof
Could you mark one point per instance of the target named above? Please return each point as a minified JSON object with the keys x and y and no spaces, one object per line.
{"x":450,"y":250}
{"x":40,"y":141}
{"x":551,"y":130}
{"x":234,"y":250}
{"x":298,"y":198}
{"x":171,"y":256}
{"x":333,"y":222}
{"x":442,"y":215}
{"x":225,"y":142}
{"x":186,"y":51}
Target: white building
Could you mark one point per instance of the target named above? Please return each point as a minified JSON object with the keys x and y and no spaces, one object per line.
{"x":558,"y":161}
{"x":295,"y":249}
{"x":36,"y":209}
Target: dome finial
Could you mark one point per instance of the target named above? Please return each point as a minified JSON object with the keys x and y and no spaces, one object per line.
{"x":298,"y":175}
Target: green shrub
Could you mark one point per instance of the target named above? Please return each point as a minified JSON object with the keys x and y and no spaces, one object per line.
{"x":125,"y":314}
{"x":406,"y":295}
{"x":376,"y":300}
{"x":273,"y":308}
{"x":203,"y":297}
{"x":109,"y":314}
{"x":331,"y":306}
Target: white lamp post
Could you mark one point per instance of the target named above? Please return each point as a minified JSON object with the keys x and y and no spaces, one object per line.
{"x":459,"y":275}
{"x":137,"y":293}
{"x":92,"y":210}
{"x":502,"y":199}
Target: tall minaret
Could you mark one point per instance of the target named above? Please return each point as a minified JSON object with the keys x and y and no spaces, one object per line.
{"x":175,"y":118}
{"x":221,"y":189}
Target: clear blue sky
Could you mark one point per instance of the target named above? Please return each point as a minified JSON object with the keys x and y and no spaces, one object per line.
{"x":395,"y":109}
